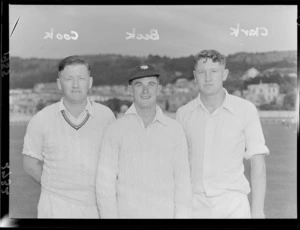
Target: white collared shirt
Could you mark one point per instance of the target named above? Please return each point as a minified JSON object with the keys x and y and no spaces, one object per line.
{"x":87,"y":110}
{"x":69,"y":154}
{"x":144,"y":172}
{"x":159,"y":116}
{"x":218,"y":142}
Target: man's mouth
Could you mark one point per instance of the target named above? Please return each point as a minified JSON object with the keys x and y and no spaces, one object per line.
{"x":145,"y":97}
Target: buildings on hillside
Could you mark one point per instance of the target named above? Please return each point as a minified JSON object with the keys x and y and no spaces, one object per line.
{"x":171,"y":97}
{"x":50,"y":87}
{"x":250,"y":73}
{"x":263,"y":93}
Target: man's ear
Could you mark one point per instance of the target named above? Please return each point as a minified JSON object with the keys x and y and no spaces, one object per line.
{"x":91,"y":82}
{"x":225,"y":74}
{"x":195,"y":79}
{"x":159,"y":87}
{"x":58,"y":83}
{"x":130,"y":89}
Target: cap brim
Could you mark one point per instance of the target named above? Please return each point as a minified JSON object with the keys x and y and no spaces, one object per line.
{"x":148,"y":75}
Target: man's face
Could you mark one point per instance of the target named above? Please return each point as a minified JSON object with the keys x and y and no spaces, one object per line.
{"x":145,"y":91}
{"x":210,"y":76}
{"x":74,"y":81}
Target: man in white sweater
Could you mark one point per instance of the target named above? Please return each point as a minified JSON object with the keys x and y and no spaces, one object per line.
{"x":143,"y":168}
{"x":62,"y":145}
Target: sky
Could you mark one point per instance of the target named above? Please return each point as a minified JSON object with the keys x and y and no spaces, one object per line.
{"x":57,"y":31}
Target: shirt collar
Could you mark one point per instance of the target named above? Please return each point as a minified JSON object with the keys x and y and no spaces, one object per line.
{"x":227,"y":103}
{"x":197,"y":103}
{"x":89,"y":107}
{"x":159,"y":116}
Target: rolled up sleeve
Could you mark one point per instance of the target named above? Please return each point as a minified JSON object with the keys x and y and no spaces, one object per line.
{"x":255,"y":141}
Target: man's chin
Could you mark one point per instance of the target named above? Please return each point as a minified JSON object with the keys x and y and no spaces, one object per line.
{"x":208,"y":92}
{"x":76,"y":100}
{"x":146,"y":105}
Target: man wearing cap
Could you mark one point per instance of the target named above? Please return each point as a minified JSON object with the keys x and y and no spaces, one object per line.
{"x":143,"y":168}
{"x":62,"y":145}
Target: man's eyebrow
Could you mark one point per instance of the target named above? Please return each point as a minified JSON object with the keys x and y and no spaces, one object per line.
{"x":137,"y":82}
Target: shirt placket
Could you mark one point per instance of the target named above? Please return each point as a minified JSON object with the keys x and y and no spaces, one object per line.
{"x":207,"y":155}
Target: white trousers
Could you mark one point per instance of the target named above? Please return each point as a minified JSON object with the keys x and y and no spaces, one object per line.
{"x":51,"y":206}
{"x":228,"y":205}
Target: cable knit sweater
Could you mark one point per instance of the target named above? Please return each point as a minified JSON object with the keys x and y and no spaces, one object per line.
{"x":69,"y":156}
{"x":144,"y":172}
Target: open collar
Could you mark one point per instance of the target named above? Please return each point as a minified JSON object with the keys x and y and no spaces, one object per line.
{"x":159,"y":116}
{"x":227,"y":103}
{"x":89,"y":107}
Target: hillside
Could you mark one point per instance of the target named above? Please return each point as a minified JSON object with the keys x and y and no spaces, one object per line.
{"x":110,"y":69}
{"x":285,"y":60}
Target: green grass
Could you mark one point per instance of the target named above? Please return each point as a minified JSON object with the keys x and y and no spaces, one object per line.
{"x":24,"y":191}
{"x":281,"y":195}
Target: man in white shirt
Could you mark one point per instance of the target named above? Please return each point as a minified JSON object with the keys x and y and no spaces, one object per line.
{"x":221,"y":130}
{"x":143,"y":168}
{"x":62,"y":145}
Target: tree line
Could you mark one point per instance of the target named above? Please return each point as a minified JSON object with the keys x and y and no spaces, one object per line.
{"x":112,"y":69}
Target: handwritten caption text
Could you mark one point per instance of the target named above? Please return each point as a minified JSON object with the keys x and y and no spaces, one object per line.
{"x":72,"y":36}
{"x":153,"y":35}
{"x":258,"y":31}
{"x":5,"y":181}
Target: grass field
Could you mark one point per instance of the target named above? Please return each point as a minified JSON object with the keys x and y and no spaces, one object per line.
{"x":281,"y":195}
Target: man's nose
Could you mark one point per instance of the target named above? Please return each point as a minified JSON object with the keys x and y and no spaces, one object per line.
{"x":145,"y":89}
{"x":75,"y":82}
{"x":207,"y":76}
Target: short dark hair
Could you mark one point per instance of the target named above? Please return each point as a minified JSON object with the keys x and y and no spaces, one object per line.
{"x":214,"y":55}
{"x":71,"y":60}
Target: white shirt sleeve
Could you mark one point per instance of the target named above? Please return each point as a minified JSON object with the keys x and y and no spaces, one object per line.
{"x":107,"y":176}
{"x":255,"y":141}
{"x":33,"y":140}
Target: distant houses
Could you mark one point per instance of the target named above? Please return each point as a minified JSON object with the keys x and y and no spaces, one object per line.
{"x":50,"y":87}
{"x":294,"y":75}
{"x":250,"y":73}
{"x":29,"y":101}
{"x":263,"y":93}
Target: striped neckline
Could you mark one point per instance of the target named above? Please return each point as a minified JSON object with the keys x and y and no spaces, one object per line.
{"x":73,"y":125}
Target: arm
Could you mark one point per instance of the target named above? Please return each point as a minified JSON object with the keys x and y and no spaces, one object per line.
{"x":256,"y":151}
{"x":107,"y":176}
{"x":33,"y":148}
{"x":33,"y":167}
{"x":183,"y":187}
{"x":258,"y":182}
